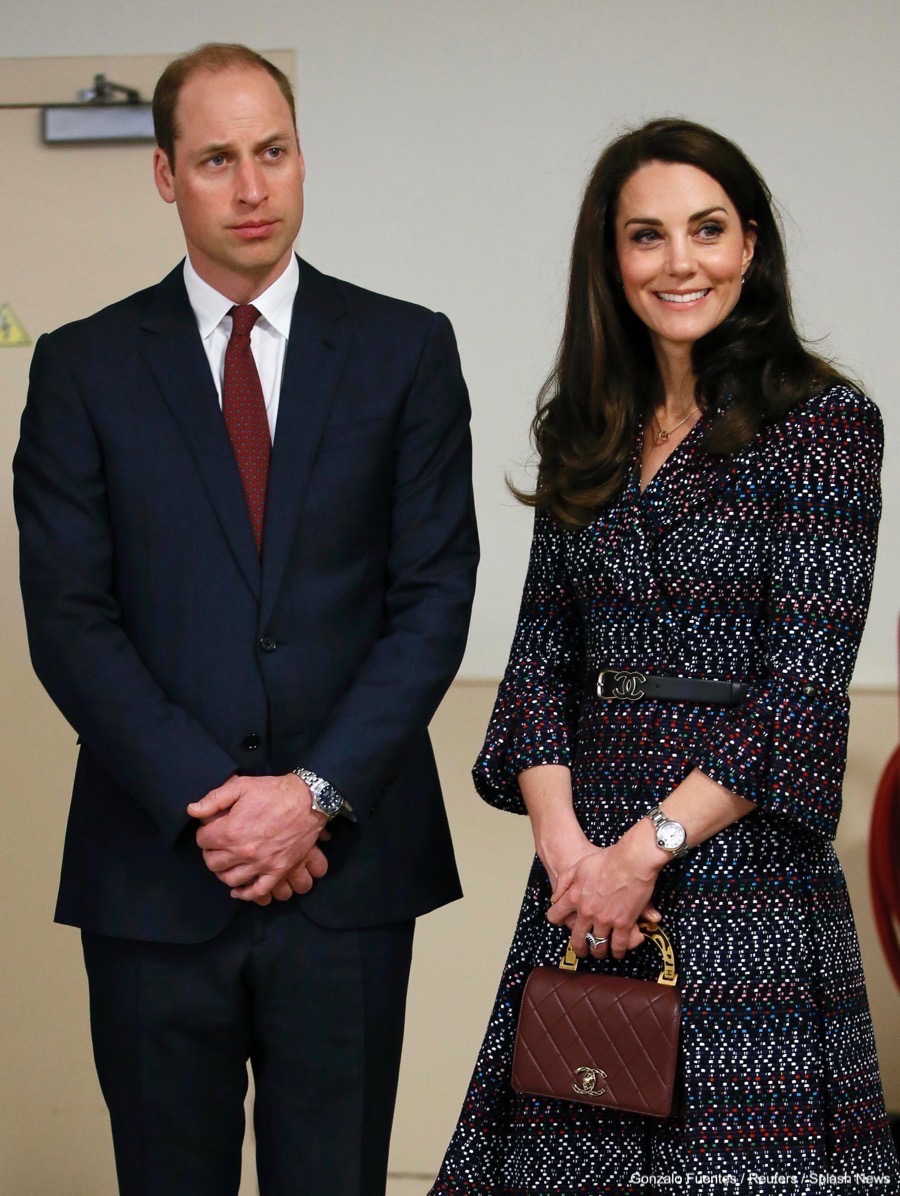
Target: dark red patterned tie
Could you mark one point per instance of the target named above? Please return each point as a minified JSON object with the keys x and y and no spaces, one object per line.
{"x":244,"y":409}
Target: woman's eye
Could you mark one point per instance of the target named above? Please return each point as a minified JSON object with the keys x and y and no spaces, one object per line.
{"x":645,"y":236}
{"x":710,"y":231}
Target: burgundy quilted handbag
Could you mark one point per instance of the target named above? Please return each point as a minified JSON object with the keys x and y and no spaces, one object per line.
{"x":599,"y":1039}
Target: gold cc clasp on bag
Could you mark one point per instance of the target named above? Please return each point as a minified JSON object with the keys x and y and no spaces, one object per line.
{"x":586,"y":1081}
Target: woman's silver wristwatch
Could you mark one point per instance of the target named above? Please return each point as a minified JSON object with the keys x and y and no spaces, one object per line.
{"x":670,"y":835}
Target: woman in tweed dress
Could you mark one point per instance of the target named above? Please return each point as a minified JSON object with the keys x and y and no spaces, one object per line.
{"x":706,"y":509}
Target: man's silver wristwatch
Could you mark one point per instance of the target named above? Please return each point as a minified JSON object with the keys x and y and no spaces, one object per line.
{"x":670,"y":835}
{"x":325,"y":798}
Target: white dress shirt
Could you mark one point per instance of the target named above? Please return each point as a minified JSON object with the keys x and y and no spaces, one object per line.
{"x":268,"y":339}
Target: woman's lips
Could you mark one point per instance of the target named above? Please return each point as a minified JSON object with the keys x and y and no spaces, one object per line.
{"x":680,"y":298}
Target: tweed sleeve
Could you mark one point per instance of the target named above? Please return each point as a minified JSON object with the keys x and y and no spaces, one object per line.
{"x":785,"y":748}
{"x":535,"y":715}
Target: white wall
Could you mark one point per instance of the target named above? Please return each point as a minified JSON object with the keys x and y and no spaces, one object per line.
{"x":447,"y":144}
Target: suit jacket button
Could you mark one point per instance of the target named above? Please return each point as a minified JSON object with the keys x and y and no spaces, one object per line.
{"x":250,"y":743}
{"x":267,"y":644}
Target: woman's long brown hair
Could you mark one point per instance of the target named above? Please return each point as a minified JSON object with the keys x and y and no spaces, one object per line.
{"x":605,"y":375}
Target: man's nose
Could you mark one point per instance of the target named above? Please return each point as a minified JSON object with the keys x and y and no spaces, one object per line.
{"x":250,"y":183}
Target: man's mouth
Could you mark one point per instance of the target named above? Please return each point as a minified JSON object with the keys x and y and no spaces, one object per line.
{"x":253,"y":228}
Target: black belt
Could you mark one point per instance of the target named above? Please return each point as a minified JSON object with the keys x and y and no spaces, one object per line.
{"x":625,"y":686}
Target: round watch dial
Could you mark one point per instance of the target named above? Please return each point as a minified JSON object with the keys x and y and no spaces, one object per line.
{"x":670,"y":836}
{"x":327,"y":798}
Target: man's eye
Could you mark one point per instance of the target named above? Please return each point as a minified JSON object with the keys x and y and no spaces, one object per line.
{"x":275,"y":151}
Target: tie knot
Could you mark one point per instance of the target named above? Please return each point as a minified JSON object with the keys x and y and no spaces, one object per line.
{"x":243,"y":318}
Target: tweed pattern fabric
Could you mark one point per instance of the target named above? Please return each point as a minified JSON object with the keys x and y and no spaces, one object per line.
{"x":756,"y":568}
{"x":244,"y":409}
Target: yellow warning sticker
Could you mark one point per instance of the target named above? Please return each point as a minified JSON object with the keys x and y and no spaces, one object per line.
{"x":12,"y":330}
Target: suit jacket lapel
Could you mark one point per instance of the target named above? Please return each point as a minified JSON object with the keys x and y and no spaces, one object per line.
{"x":172,"y":348}
{"x":316,"y":353}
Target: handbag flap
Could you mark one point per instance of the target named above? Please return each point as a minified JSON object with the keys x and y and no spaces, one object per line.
{"x":598,"y":1039}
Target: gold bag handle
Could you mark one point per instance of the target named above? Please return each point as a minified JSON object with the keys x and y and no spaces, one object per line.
{"x":650,"y":930}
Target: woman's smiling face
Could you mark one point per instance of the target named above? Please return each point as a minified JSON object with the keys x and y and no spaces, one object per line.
{"x":681,"y":252}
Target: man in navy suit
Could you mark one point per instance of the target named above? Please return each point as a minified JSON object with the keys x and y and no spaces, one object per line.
{"x":250,"y":660}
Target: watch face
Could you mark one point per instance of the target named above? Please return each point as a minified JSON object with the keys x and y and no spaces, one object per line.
{"x":670,"y":836}
{"x":327,"y":798}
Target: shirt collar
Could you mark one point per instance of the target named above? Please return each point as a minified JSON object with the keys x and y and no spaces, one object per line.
{"x":275,"y":305}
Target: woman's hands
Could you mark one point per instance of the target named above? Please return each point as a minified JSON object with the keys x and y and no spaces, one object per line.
{"x":609,"y":890}
{"x":606,"y":892}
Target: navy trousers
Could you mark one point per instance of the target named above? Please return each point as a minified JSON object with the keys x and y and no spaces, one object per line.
{"x":319,"y":1015}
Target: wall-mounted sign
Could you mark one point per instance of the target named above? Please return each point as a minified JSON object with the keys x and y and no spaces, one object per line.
{"x":12,"y":330}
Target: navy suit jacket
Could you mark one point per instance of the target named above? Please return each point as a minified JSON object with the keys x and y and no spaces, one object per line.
{"x":180,"y":657}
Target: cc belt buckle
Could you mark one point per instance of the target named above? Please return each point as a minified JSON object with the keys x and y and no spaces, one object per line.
{"x":619,"y":684}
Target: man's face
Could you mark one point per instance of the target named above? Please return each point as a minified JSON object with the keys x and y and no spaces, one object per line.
{"x":238,"y":179}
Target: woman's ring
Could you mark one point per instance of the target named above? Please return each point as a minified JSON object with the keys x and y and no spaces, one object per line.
{"x":593,"y":942}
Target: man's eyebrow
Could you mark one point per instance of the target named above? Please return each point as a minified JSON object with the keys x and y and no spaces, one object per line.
{"x":221,"y":147}
{"x":691,"y":219}
{"x":212,"y":148}
{"x":277,"y":135}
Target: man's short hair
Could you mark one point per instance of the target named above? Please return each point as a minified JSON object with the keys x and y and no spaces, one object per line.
{"x":214,"y":56}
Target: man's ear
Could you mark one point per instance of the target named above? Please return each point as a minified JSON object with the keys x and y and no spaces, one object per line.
{"x":163,"y":175}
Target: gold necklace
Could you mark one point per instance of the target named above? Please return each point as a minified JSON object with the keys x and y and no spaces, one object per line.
{"x":662,"y":435}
